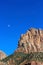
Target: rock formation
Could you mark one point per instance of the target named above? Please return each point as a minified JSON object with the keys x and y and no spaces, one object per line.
{"x":2,"y":63}
{"x":2,"y":55}
{"x":31,"y":41}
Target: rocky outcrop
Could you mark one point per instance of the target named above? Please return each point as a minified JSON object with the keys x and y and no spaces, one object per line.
{"x":2,"y":55}
{"x":2,"y":63}
{"x":31,"y":41}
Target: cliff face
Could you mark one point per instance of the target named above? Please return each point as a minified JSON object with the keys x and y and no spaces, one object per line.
{"x":31,"y":41}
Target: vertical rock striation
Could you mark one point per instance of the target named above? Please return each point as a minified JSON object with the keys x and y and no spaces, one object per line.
{"x":31,"y":41}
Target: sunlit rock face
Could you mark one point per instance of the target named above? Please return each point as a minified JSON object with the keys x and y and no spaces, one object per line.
{"x":31,"y":41}
{"x":2,"y":55}
{"x":36,"y":63}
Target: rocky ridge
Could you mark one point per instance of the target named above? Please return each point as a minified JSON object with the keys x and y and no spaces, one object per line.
{"x":31,"y":41}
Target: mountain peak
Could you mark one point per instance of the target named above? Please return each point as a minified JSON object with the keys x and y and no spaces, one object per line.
{"x":31,"y":41}
{"x":29,"y":51}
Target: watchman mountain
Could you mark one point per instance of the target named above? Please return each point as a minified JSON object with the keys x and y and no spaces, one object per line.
{"x":29,"y":50}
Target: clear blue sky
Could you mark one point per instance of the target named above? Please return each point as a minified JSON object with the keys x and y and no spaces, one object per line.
{"x":16,"y":16}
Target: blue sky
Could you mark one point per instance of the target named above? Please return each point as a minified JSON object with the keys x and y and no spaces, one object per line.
{"x":17,"y":16}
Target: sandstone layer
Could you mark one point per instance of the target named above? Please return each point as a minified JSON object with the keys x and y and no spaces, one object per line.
{"x":31,"y":41}
{"x":2,"y":55}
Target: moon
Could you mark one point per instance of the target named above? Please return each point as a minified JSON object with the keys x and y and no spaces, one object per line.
{"x":9,"y":25}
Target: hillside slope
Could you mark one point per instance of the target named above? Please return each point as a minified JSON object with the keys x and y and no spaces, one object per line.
{"x":18,"y":58}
